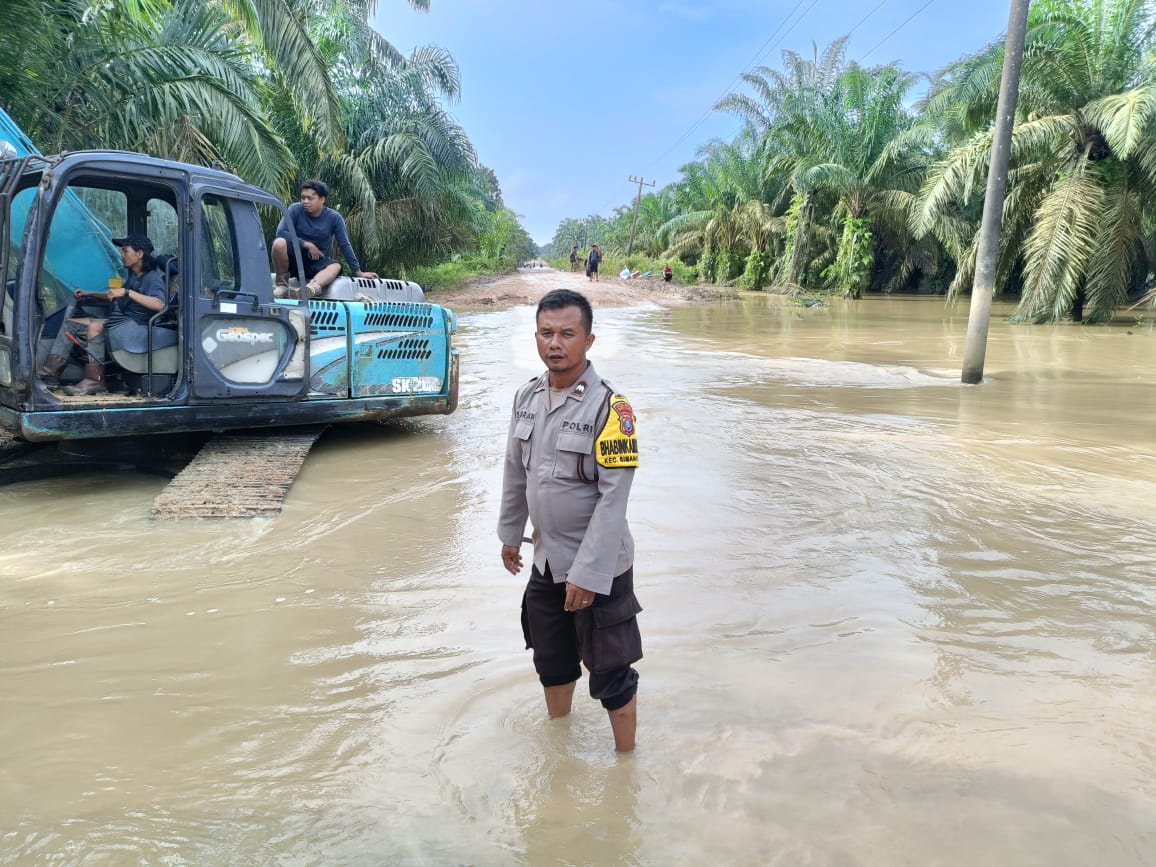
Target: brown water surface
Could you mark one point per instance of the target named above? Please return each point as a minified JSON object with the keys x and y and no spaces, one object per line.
{"x":890,"y":619}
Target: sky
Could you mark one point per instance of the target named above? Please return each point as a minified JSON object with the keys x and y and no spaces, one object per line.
{"x":567,"y":101}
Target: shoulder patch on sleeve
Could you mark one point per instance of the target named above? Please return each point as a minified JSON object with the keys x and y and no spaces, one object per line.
{"x":617,"y":443}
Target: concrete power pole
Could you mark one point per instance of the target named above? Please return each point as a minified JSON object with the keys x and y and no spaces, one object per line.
{"x":987,"y":251}
{"x":637,"y":199}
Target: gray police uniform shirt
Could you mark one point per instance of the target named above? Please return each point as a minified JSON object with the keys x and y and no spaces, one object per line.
{"x":569,"y":471}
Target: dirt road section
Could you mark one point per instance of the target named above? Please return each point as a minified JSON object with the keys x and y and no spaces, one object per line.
{"x":527,"y":285}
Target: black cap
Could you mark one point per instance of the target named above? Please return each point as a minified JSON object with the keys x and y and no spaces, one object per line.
{"x":137,"y":242}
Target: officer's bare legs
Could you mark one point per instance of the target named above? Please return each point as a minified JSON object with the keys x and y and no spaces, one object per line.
{"x":559,"y":699}
{"x":624,"y":723}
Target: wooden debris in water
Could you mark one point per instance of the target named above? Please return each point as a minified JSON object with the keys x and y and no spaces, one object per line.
{"x":238,"y":475}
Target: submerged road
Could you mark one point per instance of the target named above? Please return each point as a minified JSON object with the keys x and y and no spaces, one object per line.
{"x":888,"y":620}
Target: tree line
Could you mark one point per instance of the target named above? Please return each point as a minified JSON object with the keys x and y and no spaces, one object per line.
{"x":837,"y":183}
{"x":276,"y":91}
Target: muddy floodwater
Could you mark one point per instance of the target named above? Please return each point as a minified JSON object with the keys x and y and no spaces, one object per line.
{"x":889,"y":620}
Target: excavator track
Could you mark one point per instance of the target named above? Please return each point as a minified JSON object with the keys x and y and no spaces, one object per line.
{"x":240,"y":474}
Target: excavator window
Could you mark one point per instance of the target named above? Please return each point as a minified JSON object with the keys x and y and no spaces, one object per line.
{"x":218,"y":255}
{"x":163,"y":226}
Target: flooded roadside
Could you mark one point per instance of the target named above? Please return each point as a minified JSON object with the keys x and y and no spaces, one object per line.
{"x":889,"y":619}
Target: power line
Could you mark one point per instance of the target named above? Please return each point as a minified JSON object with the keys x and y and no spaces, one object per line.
{"x":763,"y":50}
{"x":897,"y":29}
{"x":863,"y":20}
{"x":767,"y":47}
{"x":702,"y":118}
{"x":787,"y":32}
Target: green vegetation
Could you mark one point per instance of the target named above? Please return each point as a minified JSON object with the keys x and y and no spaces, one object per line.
{"x":457,"y":272}
{"x":836,"y":185}
{"x":276,"y":91}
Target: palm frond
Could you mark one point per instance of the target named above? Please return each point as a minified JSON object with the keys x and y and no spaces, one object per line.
{"x":1124,"y":119}
{"x":1060,"y":246}
{"x":1112,"y":266}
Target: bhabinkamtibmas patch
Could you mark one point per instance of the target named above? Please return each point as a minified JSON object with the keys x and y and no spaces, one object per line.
{"x":617,"y":444}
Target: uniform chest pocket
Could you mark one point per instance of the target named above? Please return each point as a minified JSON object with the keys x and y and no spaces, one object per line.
{"x":572,"y":457}
{"x":523,"y":431}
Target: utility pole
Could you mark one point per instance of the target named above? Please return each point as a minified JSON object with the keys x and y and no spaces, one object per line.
{"x":987,"y":251}
{"x":637,"y":199}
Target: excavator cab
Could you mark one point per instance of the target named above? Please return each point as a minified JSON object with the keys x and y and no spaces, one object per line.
{"x":220,"y":334}
{"x":224,"y":352}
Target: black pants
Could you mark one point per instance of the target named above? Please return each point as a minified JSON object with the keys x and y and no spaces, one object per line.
{"x":604,"y":636}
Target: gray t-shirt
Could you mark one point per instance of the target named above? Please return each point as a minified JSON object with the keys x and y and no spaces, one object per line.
{"x":322,"y":230}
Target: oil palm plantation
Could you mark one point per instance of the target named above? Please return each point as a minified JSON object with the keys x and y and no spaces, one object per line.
{"x":569,"y":234}
{"x":175,"y":78}
{"x":720,"y":203}
{"x":654,"y":211}
{"x":403,"y":180}
{"x":274,"y":90}
{"x":1083,"y":162}
{"x":827,"y":127}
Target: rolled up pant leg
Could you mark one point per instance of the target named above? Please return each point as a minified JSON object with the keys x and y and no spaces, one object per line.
{"x":605,"y":637}
{"x":549,"y":630}
{"x":609,"y":641}
{"x":75,"y":325}
{"x":62,"y":346}
{"x":96,"y":347}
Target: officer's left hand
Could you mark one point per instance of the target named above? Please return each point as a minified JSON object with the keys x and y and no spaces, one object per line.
{"x":577,"y":598}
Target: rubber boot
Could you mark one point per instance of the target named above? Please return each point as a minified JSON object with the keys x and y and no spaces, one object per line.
{"x":93,"y":382}
{"x":50,"y":371}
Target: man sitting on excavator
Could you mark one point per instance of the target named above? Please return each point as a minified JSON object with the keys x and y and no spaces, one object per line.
{"x":317,"y":227}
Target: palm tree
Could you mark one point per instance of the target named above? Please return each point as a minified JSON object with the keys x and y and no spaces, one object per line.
{"x":654,"y":210}
{"x":170,"y":81}
{"x":570,"y":233}
{"x":407,"y":178}
{"x":828,"y":126}
{"x":714,"y":205}
{"x":33,"y":33}
{"x":180,"y":78}
{"x":1083,"y":160}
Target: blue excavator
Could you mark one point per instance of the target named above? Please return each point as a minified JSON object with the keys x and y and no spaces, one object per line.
{"x":225,"y":354}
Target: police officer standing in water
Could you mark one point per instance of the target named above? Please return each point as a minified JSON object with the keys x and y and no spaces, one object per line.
{"x":570,"y":459}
